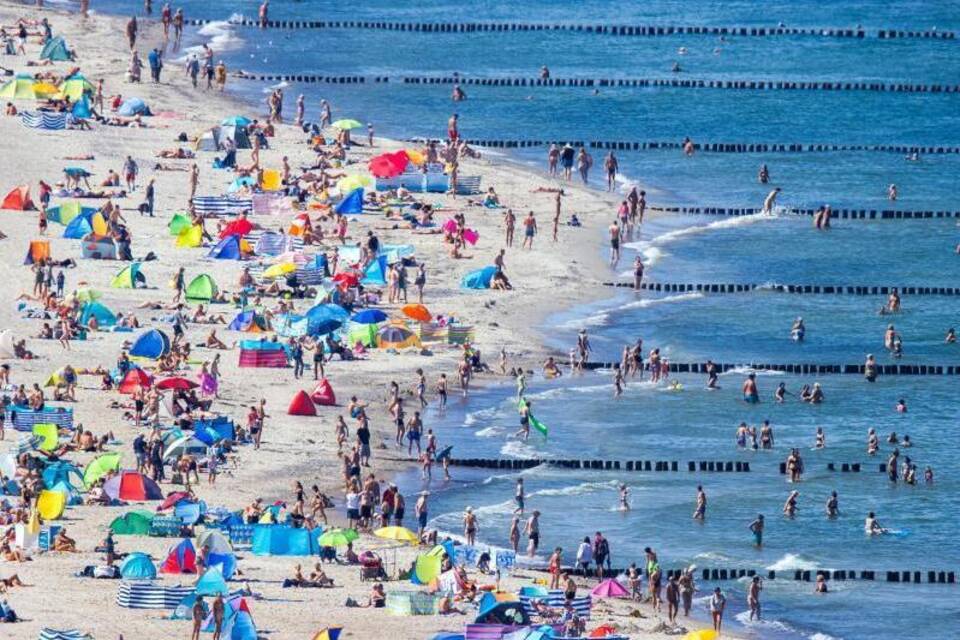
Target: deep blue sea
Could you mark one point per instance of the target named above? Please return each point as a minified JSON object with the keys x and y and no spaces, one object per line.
{"x":650,"y":422}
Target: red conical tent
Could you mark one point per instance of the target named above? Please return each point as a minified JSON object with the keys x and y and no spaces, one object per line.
{"x":18,"y":199}
{"x":132,"y":486}
{"x":301,"y":405}
{"x":181,"y":559}
{"x":239,"y":227}
{"x":323,"y":394}
{"x":134,"y":380}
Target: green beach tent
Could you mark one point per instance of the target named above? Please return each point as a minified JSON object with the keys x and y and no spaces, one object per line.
{"x":133,"y":523}
{"x":126,"y":278}
{"x":100,"y":467}
{"x":55,"y":49}
{"x":201,"y":289}
{"x":365,"y":334}
{"x":75,"y":87}
{"x":48,"y":434}
{"x":179,"y":223}
{"x":19,"y":88}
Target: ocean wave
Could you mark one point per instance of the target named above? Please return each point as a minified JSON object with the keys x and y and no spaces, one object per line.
{"x":578,"y":489}
{"x":712,"y":556}
{"x":602,"y":317}
{"x":793,"y":562}
{"x":473,"y":417}
{"x":823,"y":636}
{"x":744,"y":369}
{"x":770,"y":625}
{"x":489,"y":432}
{"x":519,"y":449}
{"x":652,"y":254}
{"x":221,"y":35}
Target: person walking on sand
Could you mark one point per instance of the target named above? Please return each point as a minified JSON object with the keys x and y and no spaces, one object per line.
{"x":529,"y":230}
{"x":509,"y":223}
{"x":194,"y":182}
{"x":132,"y":32}
{"x":770,"y":201}
{"x":614,"y":231}
{"x":199,"y":613}
{"x":717,"y":604}
{"x":556,"y":215}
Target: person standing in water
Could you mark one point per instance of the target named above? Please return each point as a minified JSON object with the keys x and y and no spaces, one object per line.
{"x":756,"y":527}
{"x":753,"y":597}
{"x":770,"y":201}
{"x":717,"y":604}
{"x":833,"y":505}
{"x":700,"y":513}
{"x":751,"y":394}
{"x":612,"y":166}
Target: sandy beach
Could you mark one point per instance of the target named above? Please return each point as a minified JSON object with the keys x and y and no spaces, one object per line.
{"x":551,"y":277}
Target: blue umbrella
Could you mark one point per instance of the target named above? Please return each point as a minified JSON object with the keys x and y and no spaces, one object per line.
{"x":369,"y":316}
{"x":323,"y":326}
{"x":236,"y":121}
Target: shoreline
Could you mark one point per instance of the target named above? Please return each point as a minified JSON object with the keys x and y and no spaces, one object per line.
{"x":292,"y":448}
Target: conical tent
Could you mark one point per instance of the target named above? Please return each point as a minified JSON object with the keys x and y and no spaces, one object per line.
{"x":211,"y":583}
{"x":134,"y":523}
{"x":227,"y":249}
{"x":179,"y":223}
{"x":75,"y":87}
{"x":19,"y":88}
{"x":184,"y":445}
{"x":56,"y":472}
{"x":18,"y":199}
{"x":100,"y":467}
{"x":249,"y":322}
{"x":182,"y":558}
{"x":375,"y":273}
{"x":301,"y":405}
{"x":70,"y":494}
{"x":190,"y":237}
{"x":153,"y":344}
{"x":67,"y":211}
{"x":138,"y":566}
{"x":323,"y":394}
{"x":55,"y":49}
{"x":81,"y":108}
{"x":201,"y":289}
{"x":132,"y":486}
{"x":105,"y":317}
{"x":128,"y":277}
{"x":236,"y":130}
{"x":351,"y":203}
{"x":214,"y":541}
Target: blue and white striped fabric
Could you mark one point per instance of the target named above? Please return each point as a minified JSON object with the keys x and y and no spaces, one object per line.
{"x":27,"y":442}
{"x":556,"y":600}
{"x":219,"y":206}
{"x":146,"y":595}
{"x":69,"y":634}
{"x":24,"y":419}
{"x":271,"y":243}
{"x":309,"y":275}
{"x":44,"y":120}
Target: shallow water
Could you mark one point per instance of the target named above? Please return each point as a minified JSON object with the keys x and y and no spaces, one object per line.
{"x":694,"y":424}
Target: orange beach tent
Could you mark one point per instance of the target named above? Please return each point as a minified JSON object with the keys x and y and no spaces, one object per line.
{"x":18,"y":199}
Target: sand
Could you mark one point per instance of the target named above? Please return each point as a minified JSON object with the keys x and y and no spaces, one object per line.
{"x":552,"y":277}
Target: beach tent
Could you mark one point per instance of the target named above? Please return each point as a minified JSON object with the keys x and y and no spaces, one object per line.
{"x":301,"y":405}
{"x":49,"y":437}
{"x":85,"y":224}
{"x":81,"y":108}
{"x":249,"y":322}
{"x":226,"y":562}
{"x":105,"y":317}
{"x":280,"y":540}
{"x":7,"y":340}
{"x":365,"y":334}
{"x":235,"y":129}
{"x":179,"y":223}
{"x":396,"y":337}
{"x":135,"y":380}
{"x":351,"y":203}
{"x":128,"y":277}
{"x":51,"y":504}
{"x":237,"y":620}
{"x":132,"y":486}
{"x":376,"y":272}
{"x":138,"y":566}
{"x":182,"y":558}
{"x":331,"y":633}
{"x":75,"y":87}
{"x":201,"y":289}
{"x":55,"y":49}
{"x":19,"y":88}
{"x":190,"y":237}
{"x":227,"y":249}
{"x":70,"y":493}
{"x":96,"y":247}
{"x":37,"y":251}
{"x":271,"y":180}
{"x":238,"y":227}
{"x":511,"y":613}
{"x":65,"y":472}
{"x":134,"y":523}
{"x":64,"y":212}
{"x":133,"y":107}
{"x":211,"y":583}
{"x":214,"y":541}
{"x":99,"y":467}
{"x":188,"y":445}
{"x":18,"y":199}
{"x":209,"y":140}
{"x":153,"y":344}
{"x":323,"y":394}
{"x":479,"y":279}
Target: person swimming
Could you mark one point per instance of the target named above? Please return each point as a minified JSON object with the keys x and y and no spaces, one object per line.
{"x":833,"y":505}
{"x":872,"y":527}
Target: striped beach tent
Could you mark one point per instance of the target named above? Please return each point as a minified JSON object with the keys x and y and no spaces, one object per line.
{"x":146,"y":595}
{"x":67,"y":634}
{"x":44,"y":120}
{"x":219,"y":206}
{"x":555,"y":599}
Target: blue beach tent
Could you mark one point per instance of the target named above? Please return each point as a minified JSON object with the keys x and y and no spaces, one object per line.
{"x":227,"y":249}
{"x":133,"y":107}
{"x":153,"y":344}
{"x":351,"y":203}
{"x":479,"y":279}
{"x":281,"y":540}
{"x":376,"y":272}
{"x":138,"y":566}
{"x":211,"y":583}
{"x":105,"y":317}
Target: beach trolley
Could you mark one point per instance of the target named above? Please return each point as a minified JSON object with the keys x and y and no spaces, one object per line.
{"x":371,"y":567}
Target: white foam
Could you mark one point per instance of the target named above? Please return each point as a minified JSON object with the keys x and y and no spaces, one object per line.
{"x":771,"y":625}
{"x":578,"y":489}
{"x":489,"y":432}
{"x":744,"y":370}
{"x":518,"y":449}
{"x":793,"y":562}
{"x":649,"y":248}
{"x":602,"y":317}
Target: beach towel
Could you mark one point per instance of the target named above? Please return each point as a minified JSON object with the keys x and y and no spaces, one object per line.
{"x":555,"y":599}
{"x":68,"y":634}
{"x":219,"y":206}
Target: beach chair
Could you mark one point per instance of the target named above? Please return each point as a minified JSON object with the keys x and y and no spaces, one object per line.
{"x":371,"y":567}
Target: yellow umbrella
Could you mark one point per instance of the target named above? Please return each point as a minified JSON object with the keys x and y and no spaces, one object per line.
{"x":400,"y":534}
{"x":350,"y":183}
{"x":279,"y":270}
{"x":415,"y":156}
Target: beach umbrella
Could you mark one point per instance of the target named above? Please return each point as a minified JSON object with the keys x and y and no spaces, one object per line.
{"x":415,"y":156}
{"x":399,"y":534}
{"x":369,"y":316}
{"x":178,"y":383}
{"x":609,"y":588}
{"x":388,"y":165}
{"x":347,"y":124}
{"x":347,"y":184}
{"x":334,"y":538}
{"x":236,"y":121}
{"x":100,"y":467}
{"x":417,"y":312}
{"x":394,"y":337}
{"x":86,"y":294}
{"x":279,"y":270}
{"x":427,"y":568}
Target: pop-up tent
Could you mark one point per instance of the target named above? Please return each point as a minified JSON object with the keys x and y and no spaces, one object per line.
{"x":190,"y":237}
{"x":209,"y":140}
{"x":375,"y":273}
{"x":76,"y":86}
{"x":97,"y":247}
{"x":138,"y":566}
{"x":323,"y":394}
{"x":153,"y":344}
{"x":99,"y":467}
{"x":227,"y":249}
{"x":18,"y":199}
{"x":20,"y":87}
{"x":235,"y":128}
{"x":301,"y":405}
{"x":182,"y":558}
{"x":212,"y":583}
{"x":129,"y":277}
{"x":249,"y":322}
{"x":51,"y":504}
{"x":133,"y":523}
{"x":479,"y":279}
{"x":134,"y":380}
{"x":56,"y":49}
{"x":105,"y":317}
{"x":133,"y":107}
{"x":280,"y":540}
{"x":56,"y":472}
{"x":237,"y":621}
{"x":184,"y":445}
{"x":179,"y":223}
{"x":64,"y":212}
{"x":351,"y":203}
{"x":37,"y":251}
{"x":201,"y":289}
{"x":132,"y":486}
{"x":85,"y":224}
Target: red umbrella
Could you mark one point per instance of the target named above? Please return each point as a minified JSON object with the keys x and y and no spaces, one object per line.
{"x":135,"y":380}
{"x":347,"y":279}
{"x":177,"y":383}
{"x":172,"y":499}
{"x":240,"y":227}
{"x":389,"y":165}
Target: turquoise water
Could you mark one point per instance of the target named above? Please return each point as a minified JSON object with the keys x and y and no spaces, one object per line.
{"x":649,"y":422}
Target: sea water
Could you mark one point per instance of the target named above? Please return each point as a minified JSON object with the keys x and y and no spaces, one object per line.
{"x":649,"y":421}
